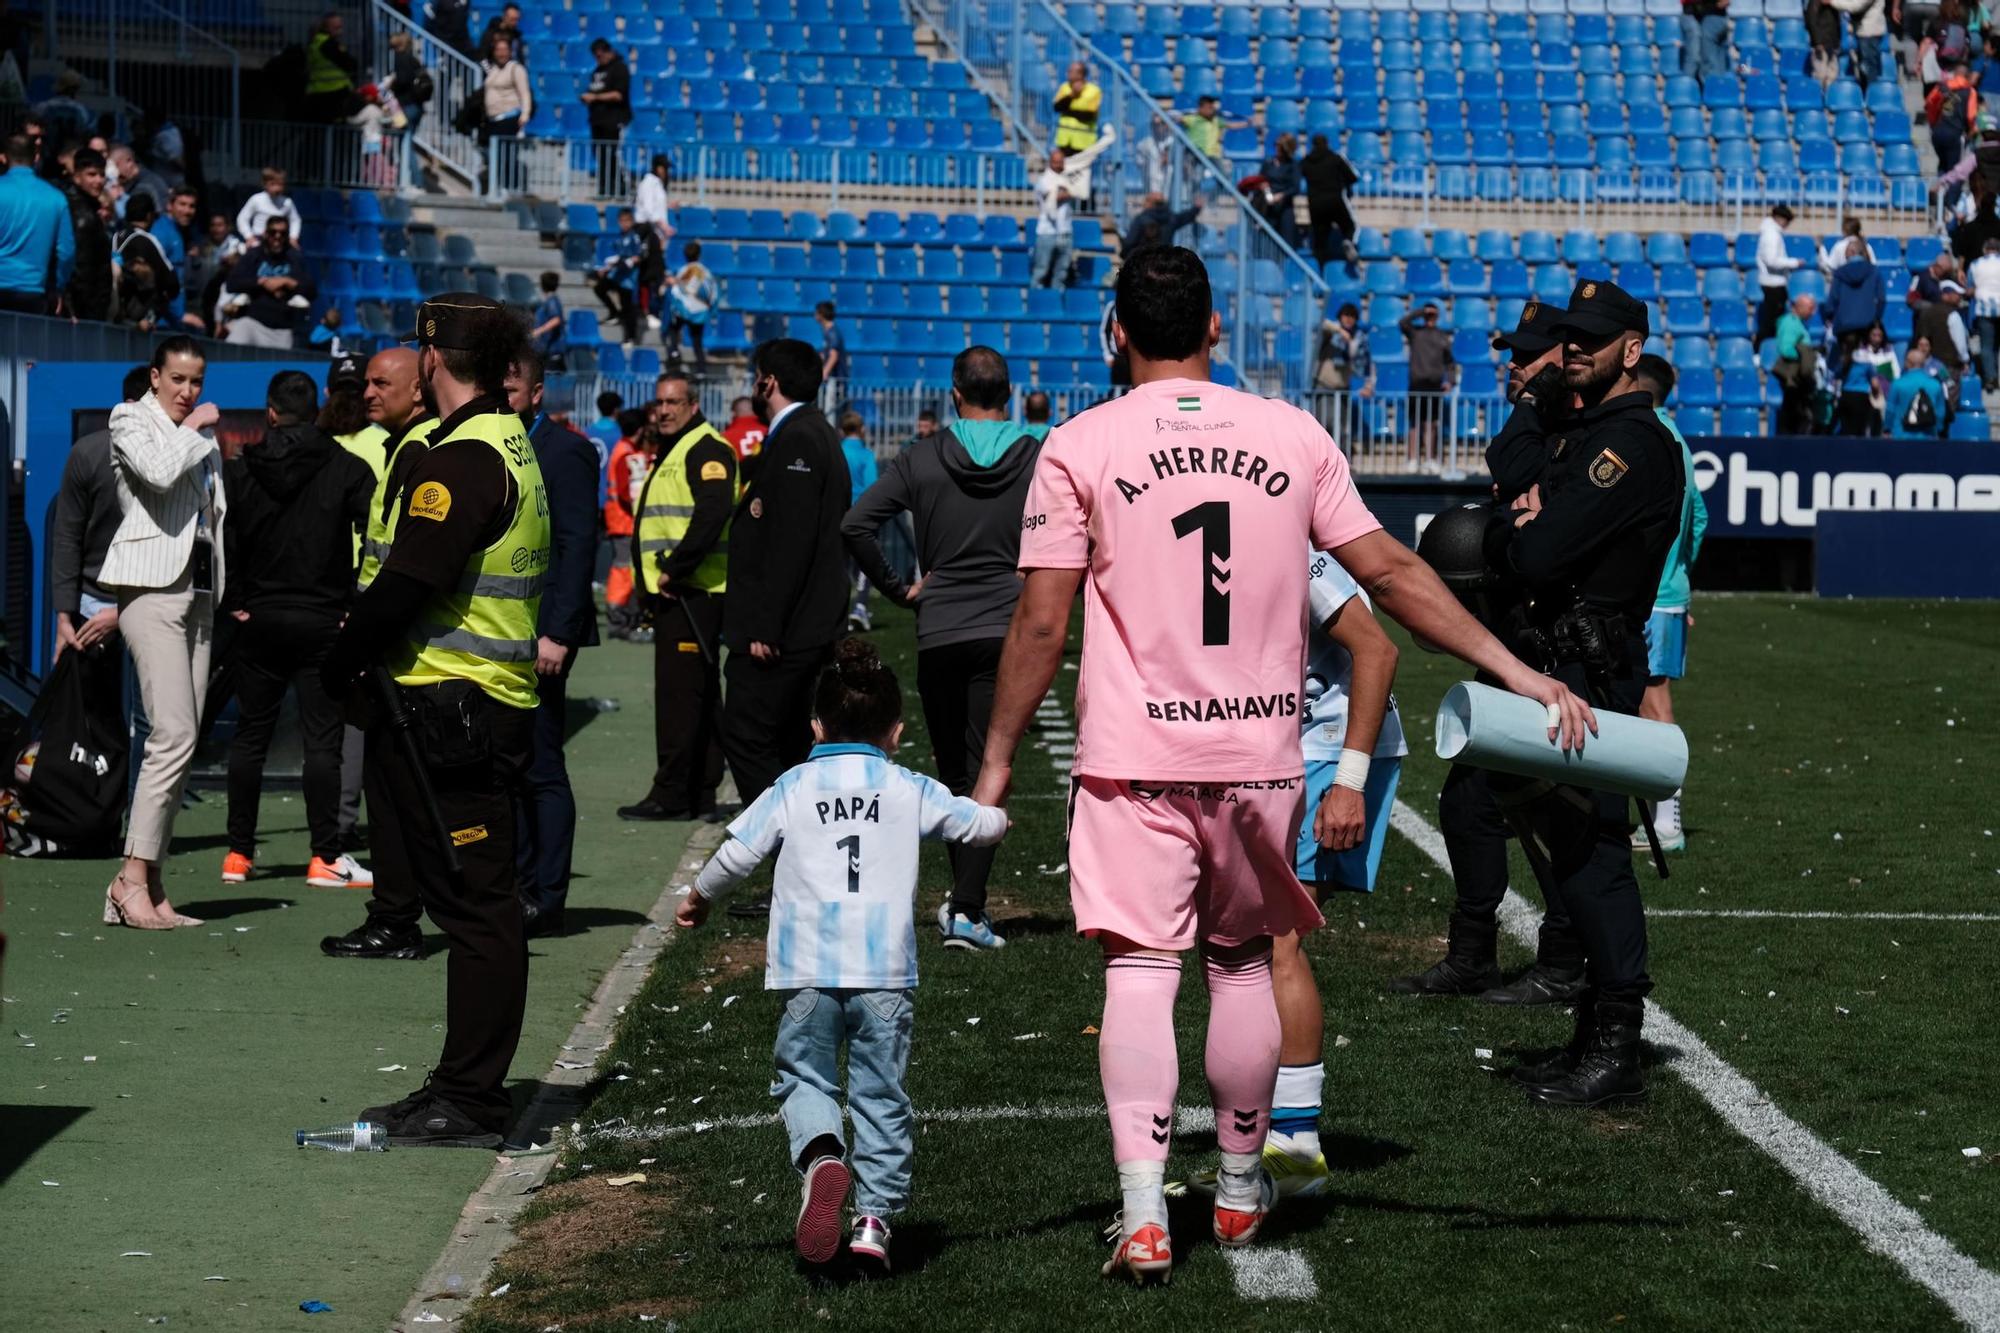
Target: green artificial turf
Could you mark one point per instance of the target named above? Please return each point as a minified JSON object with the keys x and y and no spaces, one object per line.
{"x":1455,"y":1204}
{"x":157,"y":1078}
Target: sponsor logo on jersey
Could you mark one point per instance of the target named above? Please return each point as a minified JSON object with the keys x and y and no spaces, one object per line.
{"x":432,"y":500}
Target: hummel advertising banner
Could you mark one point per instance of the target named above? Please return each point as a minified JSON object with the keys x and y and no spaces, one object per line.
{"x":1778,"y":488}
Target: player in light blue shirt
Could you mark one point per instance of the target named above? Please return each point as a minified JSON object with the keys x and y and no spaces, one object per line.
{"x":1666,"y":629}
{"x":1354,"y":748}
{"x":842,"y":946}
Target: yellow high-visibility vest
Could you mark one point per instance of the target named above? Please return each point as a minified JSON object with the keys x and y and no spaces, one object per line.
{"x":381,"y":529}
{"x":666,"y":506}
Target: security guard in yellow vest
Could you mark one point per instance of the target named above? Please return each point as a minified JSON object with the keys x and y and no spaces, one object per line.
{"x":680,"y":554}
{"x":1077,"y":104}
{"x":344,"y":417}
{"x":451,"y":614}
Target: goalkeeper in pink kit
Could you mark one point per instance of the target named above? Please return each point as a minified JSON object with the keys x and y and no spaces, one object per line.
{"x":1182,"y":510}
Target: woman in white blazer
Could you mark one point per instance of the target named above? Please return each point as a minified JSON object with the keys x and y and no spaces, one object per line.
{"x":165,"y":563}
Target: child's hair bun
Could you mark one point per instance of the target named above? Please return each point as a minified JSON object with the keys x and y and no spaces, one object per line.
{"x":857,"y":660}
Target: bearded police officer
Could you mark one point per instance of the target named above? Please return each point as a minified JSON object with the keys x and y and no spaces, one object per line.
{"x":452,"y":616}
{"x":680,"y":555}
{"x":395,"y":400}
{"x":1474,"y":828}
{"x":1584,"y":537}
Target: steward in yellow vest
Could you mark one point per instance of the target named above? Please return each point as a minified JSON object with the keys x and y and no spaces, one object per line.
{"x":680,"y":553}
{"x":451,"y":614}
{"x":1077,"y":102}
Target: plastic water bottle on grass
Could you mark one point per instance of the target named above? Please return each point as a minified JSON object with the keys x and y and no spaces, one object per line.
{"x":361,"y":1136}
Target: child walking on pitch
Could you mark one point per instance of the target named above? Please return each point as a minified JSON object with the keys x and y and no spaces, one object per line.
{"x":843,"y":945}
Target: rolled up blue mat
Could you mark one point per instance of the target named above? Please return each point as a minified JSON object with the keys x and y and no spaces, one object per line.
{"x":1484,"y":727}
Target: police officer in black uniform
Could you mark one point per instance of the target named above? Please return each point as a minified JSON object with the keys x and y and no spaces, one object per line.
{"x":1474,"y":828}
{"x":451,"y":619}
{"x":1584,"y":535}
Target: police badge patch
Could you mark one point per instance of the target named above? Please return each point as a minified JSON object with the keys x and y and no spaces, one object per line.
{"x":1606,"y":469}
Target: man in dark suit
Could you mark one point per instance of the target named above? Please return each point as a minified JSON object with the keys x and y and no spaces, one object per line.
{"x":546,"y":816}
{"x":787,"y":594}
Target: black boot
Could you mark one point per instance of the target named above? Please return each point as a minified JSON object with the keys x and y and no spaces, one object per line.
{"x":1468,"y":967}
{"x":1556,"y":977}
{"x":1608,"y":1074}
{"x":1558,"y":1064}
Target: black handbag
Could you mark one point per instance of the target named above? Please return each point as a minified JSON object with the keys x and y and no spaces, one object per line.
{"x":70,"y":775}
{"x":471,"y":113}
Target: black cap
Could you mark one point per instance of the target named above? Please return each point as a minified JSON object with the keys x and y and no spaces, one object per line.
{"x":451,"y":319}
{"x":349,"y":369}
{"x":1532,"y":336}
{"x":1600,"y":309}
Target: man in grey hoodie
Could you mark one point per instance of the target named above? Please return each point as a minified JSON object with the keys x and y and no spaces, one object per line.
{"x":966,"y":488}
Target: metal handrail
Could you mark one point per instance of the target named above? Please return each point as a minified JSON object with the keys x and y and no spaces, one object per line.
{"x":952,"y":38}
{"x":453,"y":77}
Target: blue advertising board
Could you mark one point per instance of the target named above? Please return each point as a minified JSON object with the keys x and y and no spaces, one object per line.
{"x":1778,"y":488}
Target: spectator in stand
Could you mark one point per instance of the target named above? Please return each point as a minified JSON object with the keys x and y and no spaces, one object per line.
{"x":1328,"y":177}
{"x":608,"y":102}
{"x":1156,"y":159}
{"x":626,"y":477}
{"x":1968,"y":239}
{"x":691,"y":299}
{"x":1036,"y":411}
{"x":297,"y":499}
{"x":1984,"y":274}
{"x":146,"y":283}
{"x":370,"y":117}
{"x":1432,"y":373}
{"x":745,"y":431}
{"x":861,"y":474}
{"x":1203,"y":127}
{"x":1797,"y":369}
{"x":652,"y":276}
{"x":1855,"y":296}
{"x":1704,"y":37}
{"x":134,"y":179}
{"x":605,"y":430}
{"x":1952,"y":108}
{"x":409,"y":81}
{"x":1943,"y":323}
{"x":1870,"y":368}
{"x":1869,"y":22}
{"x":1117,"y":359}
{"x":326,"y":336}
{"x":650,"y":205}
{"x":90,"y":283}
{"x":617,"y":282}
{"x":1344,"y":366}
{"x":1823,"y":34}
{"x":1979,"y":165}
{"x":1077,"y":104}
{"x":1927,"y":284}
{"x":1281,"y":189}
{"x":37,"y":240}
{"x":1774,"y":263}
{"x":62,"y":116}
{"x":270,"y":202}
{"x":281,"y":289}
{"x":504,"y":27}
{"x":1915,"y":409}
{"x":451,"y":23}
{"x":548,"y":334}
{"x":1835,"y":252}
{"x":832,"y":346}
{"x":209,"y":262}
{"x":1156,"y":224}
{"x":1063,"y":183}
{"x":171,"y":231}
{"x":330,"y":72}
{"x":507,"y":102}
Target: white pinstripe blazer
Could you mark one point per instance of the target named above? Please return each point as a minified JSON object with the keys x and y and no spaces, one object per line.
{"x":167,"y":475}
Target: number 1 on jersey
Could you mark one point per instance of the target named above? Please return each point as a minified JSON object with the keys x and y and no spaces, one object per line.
{"x":851,"y":844}
{"x":1212,"y":519}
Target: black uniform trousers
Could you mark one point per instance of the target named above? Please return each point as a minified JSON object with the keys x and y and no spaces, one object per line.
{"x":955,"y":681}
{"x":767,"y":715}
{"x":545,"y":807}
{"x":486,"y":971}
{"x":687,"y":703}
{"x":1585,"y":838}
{"x":277,"y":653}
{"x":1476,"y":831}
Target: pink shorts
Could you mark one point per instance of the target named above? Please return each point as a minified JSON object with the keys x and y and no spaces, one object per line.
{"x":1166,"y":865}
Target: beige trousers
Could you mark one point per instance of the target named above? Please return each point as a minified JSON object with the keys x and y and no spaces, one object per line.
{"x":168,"y":631}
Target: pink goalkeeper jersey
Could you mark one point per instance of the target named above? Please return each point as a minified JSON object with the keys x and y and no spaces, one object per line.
{"x":1189,"y":504}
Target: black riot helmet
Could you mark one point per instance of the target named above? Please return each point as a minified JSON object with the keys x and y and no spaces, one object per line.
{"x":1454,"y":545}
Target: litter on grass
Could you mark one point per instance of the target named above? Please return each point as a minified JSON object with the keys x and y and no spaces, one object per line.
{"x":136,"y":1254}
{"x":390,"y":1069}
{"x":426,"y":1317}
{"x":502,"y":1289}
{"x":315,"y":1307}
{"x":636,"y":1178}
{"x":1482,"y":1053}
{"x":1963,"y":1152}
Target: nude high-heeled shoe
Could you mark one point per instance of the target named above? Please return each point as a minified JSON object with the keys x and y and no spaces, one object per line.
{"x":114,"y":905}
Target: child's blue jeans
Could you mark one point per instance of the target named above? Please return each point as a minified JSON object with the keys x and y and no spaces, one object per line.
{"x":875,"y":1024}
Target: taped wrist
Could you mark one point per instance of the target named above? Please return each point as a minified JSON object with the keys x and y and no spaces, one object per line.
{"x":1352,"y":770}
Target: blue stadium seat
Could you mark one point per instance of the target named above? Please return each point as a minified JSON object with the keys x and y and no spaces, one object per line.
{"x":1509,"y":278}
{"x":1538,"y":247}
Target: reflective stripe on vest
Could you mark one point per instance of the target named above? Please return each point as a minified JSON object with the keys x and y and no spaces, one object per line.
{"x":666,"y":507}
{"x":381,"y":531}
{"x":483,"y":630}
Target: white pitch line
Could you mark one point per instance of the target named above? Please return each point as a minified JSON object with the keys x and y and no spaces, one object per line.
{"x":1187,"y":1120}
{"x":1884,"y":1224}
{"x":1271,"y":1275}
{"x":1757,"y":914}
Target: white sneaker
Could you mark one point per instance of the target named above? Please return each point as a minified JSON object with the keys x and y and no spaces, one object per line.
{"x":342,"y":873}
